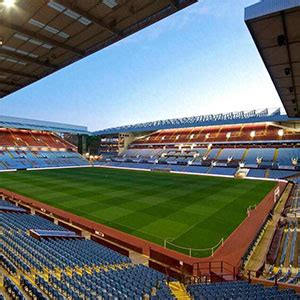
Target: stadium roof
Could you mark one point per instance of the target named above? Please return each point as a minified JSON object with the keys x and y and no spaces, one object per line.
{"x":275,"y":28}
{"x":38,"y":38}
{"x":251,"y":116}
{"x":20,"y":123}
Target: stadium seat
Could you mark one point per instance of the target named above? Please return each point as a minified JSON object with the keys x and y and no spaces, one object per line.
{"x":96,"y":271}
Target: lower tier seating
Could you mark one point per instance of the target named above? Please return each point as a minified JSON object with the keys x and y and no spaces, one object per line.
{"x":262,"y":161}
{"x":72,"y":268}
{"x":12,"y":289}
{"x":198,"y":169}
{"x":10,"y":159}
{"x":222,"y":171}
{"x":238,"y":290}
{"x":283,"y":260}
{"x":257,"y":173}
{"x":68,"y":268}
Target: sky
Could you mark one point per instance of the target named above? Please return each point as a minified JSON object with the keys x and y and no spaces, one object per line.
{"x":201,"y":60}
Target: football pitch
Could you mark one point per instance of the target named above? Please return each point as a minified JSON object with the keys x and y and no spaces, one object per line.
{"x":191,"y":211}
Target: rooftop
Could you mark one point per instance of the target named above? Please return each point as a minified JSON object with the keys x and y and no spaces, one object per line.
{"x":250,"y":116}
{"x":40,"y":37}
{"x":275,"y":28}
{"x":22,"y":123}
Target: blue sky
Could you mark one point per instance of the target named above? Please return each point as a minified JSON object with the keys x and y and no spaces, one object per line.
{"x":201,"y":60}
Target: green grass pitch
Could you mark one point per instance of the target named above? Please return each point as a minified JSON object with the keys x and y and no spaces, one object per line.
{"x":193,"y":211}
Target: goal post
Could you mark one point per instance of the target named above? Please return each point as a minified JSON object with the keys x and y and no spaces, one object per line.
{"x":192,"y":252}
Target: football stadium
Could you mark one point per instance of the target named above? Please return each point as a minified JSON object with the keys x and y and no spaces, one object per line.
{"x":202,"y":207}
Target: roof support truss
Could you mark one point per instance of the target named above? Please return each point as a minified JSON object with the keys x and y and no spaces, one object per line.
{"x":40,"y":37}
{"x":72,"y":5}
{"x":284,"y":77}
{"x":27,"y":58}
{"x":276,"y":46}
{"x":10,"y":83}
{"x":284,"y":64}
{"x":3,"y":92}
{"x":289,"y":57}
{"x":17,"y":73}
{"x":174,"y":3}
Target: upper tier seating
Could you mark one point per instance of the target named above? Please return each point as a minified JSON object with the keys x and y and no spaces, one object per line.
{"x":225,"y":133}
{"x":26,"y":138}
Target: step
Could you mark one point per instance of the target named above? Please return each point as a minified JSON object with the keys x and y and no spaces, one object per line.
{"x":179,"y":290}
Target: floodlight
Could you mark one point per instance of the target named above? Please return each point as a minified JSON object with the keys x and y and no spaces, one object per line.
{"x":9,"y":3}
{"x":252,"y":133}
{"x":110,"y":3}
{"x":280,"y":132}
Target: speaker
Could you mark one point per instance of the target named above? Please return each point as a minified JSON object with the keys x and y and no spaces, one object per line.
{"x":287,"y":71}
{"x":281,"y":40}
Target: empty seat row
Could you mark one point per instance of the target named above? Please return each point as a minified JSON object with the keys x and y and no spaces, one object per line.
{"x":238,"y":290}
{"x":75,"y":268}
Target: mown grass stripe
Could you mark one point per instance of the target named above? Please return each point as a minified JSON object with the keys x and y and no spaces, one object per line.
{"x":194,"y":211}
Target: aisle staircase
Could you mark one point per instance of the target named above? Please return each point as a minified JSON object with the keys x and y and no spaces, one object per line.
{"x":178,"y":289}
{"x":245,"y":154}
{"x":218,"y":154}
{"x":267,"y":173}
{"x":276,"y":152}
{"x":10,"y":155}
